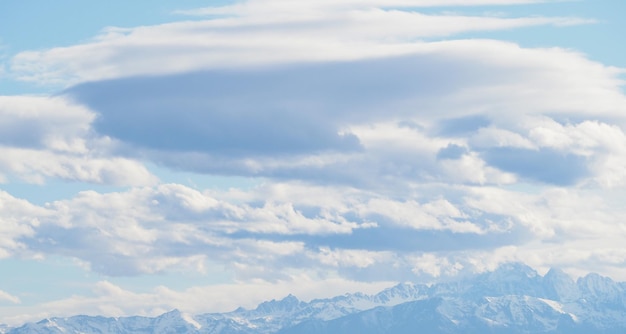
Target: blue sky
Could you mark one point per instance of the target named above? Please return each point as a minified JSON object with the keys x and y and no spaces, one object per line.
{"x":208,"y":155}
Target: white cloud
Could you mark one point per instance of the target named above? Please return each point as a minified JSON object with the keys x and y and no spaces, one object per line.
{"x":350,"y":257}
{"x":497,"y":137}
{"x":49,"y":122}
{"x":469,"y":168}
{"x":155,"y":229}
{"x":524,"y":99}
{"x":169,"y":227}
{"x":36,"y":166}
{"x":435,"y":266}
{"x":19,"y":219}
{"x":523,"y":95}
{"x":436,"y":215}
{"x":294,"y":33}
{"x":287,"y":8}
{"x":550,"y":214}
{"x":50,"y":137}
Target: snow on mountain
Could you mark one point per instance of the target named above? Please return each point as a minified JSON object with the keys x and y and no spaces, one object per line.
{"x":508,"y":279}
{"x":271,"y":316}
{"x":594,"y":285}
{"x":171,"y":322}
{"x":511,"y":299}
{"x":401,"y":293}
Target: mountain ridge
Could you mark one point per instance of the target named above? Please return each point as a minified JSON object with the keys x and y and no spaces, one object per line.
{"x":513,"y":298}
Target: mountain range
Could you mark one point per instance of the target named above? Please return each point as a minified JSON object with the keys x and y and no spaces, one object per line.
{"x":512,"y":299}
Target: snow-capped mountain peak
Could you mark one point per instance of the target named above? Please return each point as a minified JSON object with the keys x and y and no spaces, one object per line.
{"x":287,"y":304}
{"x":560,"y":286}
{"x":512,"y":299}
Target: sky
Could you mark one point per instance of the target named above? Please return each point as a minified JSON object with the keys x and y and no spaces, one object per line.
{"x":205,"y":155}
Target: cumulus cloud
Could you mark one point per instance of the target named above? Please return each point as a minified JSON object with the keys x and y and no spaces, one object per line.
{"x":50,"y":137}
{"x":50,"y":122}
{"x":148,"y":230}
{"x":172,"y":227}
{"x":19,"y":219}
{"x":270,"y":231}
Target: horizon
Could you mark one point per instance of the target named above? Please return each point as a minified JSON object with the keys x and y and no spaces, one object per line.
{"x":207,"y":155}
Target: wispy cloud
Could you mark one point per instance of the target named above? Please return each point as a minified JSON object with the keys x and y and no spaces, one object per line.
{"x":259,"y":33}
{"x":278,"y":7}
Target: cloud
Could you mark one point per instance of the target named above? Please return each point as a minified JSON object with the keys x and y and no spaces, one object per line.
{"x":19,"y":219}
{"x":270,"y":6}
{"x":294,"y":113}
{"x":345,"y":30}
{"x":462,"y":126}
{"x":378,"y":120}
{"x":170,"y":227}
{"x":50,"y":137}
{"x":434,"y":266}
{"x":51,"y":122}
{"x":36,"y":166}
{"x":544,"y":166}
{"x":268,"y":231}
{"x":439,"y":214}
{"x":230,"y":113}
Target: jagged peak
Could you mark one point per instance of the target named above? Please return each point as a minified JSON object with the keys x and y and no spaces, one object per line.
{"x":288,"y":303}
{"x":290,"y":297}
{"x":595,"y":277}
{"x":405,"y":287}
{"x":560,"y":286}
{"x":555,"y":275}
{"x":596,"y":283}
{"x":174,"y":313}
{"x":508,"y":272}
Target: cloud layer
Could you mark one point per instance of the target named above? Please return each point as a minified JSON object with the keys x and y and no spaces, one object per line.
{"x":384,"y":119}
